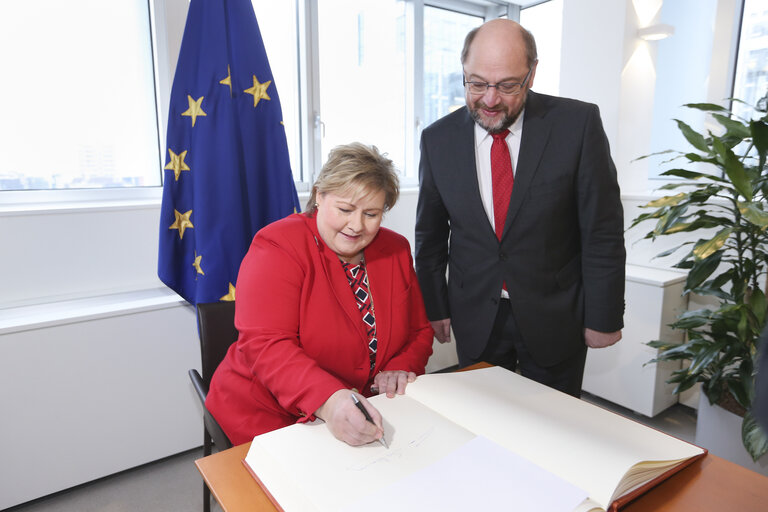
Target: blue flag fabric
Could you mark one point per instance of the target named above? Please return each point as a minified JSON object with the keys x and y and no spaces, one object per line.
{"x":227,"y":172}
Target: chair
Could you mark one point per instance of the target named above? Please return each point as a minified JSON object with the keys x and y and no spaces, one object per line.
{"x":216,"y":326}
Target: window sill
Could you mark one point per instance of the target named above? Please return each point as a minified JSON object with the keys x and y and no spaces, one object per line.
{"x":51,"y":314}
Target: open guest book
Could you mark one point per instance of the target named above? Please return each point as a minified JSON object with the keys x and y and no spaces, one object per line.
{"x":485,"y":438}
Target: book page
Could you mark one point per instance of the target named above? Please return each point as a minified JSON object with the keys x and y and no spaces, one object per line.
{"x":479,"y":475}
{"x":588,"y":446}
{"x":305,"y":468}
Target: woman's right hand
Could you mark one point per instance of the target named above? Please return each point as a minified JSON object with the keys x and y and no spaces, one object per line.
{"x":346,"y":422}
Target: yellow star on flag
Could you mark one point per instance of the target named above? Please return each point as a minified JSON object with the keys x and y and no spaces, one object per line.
{"x":227,"y":81}
{"x":196,"y":264}
{"x":229,"y":297}
{"x":182,"y":222}
{"x":259,"y":91}
{"x":195,"y":108}
{"x":177,"y":164}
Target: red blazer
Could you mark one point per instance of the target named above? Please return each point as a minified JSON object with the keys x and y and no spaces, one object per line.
{"x":301,"y":334}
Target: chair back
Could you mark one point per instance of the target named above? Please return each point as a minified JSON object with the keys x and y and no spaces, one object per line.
{"x":216,"y":324}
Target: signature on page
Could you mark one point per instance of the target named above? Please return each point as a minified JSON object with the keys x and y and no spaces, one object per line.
{"x":394,"y":453}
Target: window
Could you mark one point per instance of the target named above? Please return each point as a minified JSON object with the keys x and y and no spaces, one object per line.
{"x":751,"y":77}
{"x":545,"y":22}
{"x":78,"y":96}
{"x":362,"y":75}
{"x":444,"y":33}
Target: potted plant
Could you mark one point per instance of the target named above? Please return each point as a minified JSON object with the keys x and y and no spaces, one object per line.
{"x":723,"y":198}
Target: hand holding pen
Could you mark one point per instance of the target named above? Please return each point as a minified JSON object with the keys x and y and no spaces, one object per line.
{"x":348,"y":422}
{"x":368,"y":418}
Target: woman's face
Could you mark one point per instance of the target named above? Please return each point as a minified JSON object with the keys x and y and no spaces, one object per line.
{"x":349,"y":220}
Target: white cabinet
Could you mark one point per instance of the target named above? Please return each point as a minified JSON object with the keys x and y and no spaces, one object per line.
{"x":619,"y":373}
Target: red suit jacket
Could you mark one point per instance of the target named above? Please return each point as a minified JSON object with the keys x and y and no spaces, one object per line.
{"x":301,"y":334}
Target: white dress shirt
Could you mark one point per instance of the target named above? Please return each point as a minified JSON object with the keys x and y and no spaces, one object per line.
{"x":483,"y":143}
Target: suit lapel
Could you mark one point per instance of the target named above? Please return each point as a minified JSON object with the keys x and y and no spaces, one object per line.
{"x":462,"y":160}
{"x":532,"y":143}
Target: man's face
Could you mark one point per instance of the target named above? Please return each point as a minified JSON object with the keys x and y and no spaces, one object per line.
{"x":495,"y":62}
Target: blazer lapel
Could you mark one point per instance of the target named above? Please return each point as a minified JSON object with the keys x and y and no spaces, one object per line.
{"x":337,"y":280}
{"x":532,"y":143}
{"x":380,"y":271}
{"x":461,"y":160}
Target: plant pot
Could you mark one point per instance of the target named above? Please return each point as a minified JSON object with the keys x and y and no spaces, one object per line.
{"x":719,"y":431}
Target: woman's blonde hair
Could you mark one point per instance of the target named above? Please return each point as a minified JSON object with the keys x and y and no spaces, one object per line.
{"x":356,"y":167}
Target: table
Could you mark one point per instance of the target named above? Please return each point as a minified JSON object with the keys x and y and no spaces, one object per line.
{"x":710,"y":483}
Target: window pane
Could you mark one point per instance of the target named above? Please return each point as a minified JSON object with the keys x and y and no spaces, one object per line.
{"x":278,"y":25}
{"x":751,"y":81}
{"x":545,"y":22}
{"x":444,"y":33}
{"x":79,"y":101}
{"x":363,"y":75}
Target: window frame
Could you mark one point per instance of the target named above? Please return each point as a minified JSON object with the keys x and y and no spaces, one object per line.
{"x":162,"y":65}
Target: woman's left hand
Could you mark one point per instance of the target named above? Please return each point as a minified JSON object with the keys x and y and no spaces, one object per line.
{"x":392,"y":382}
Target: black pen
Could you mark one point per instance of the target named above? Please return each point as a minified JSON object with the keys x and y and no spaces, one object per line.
{"x":368,"y":418}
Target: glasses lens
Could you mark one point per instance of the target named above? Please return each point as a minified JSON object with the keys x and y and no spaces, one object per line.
{"x":477,"y":87}
{"x":508,"y":88}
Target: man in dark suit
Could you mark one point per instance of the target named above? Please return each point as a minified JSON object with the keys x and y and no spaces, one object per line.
{"x":532,"y":288}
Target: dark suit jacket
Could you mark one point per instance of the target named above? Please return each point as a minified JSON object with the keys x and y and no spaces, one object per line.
{"x":301,"y":334}
{"x":562,"y":251}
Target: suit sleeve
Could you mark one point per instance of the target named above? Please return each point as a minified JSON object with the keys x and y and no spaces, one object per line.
{"x":601,"y":224}
{"x":432,"y":231}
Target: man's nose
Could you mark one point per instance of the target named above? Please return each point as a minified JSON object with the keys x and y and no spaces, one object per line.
{"x":491,"y":96}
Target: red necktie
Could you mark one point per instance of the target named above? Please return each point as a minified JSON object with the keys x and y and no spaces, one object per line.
{"x":502,"y":179}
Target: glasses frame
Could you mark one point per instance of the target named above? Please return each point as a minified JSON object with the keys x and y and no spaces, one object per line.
{"x":496,"y":85}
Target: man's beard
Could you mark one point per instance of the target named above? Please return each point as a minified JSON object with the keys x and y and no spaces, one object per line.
{"x":505,"y":122}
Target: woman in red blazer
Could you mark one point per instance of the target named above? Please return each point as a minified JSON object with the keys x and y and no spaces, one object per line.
{"x":328,"y":305}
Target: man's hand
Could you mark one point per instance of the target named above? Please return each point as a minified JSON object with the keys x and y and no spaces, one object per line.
{"x":596,"y":339}
{"x":442,"y":329}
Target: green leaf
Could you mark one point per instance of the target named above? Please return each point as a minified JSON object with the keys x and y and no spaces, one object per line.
{"x":733,"y":128}
{"x":703,"y":358}
{"x":665,"y":152}
{"x":754,"y":437}
{"x":733,"y":168}
{"x":708,"y":107}
{"x":684,"y":173}
{"x":759,"y":131}
{"x":758,"y":304}
{"x":706,"y":248}
{"x":696,"y":139}
{"x":666,"y":201}
{"x":701,"y":270}
{"x":674,"y":216}
{"x":754,"y":213}
{"x":670,"y":251}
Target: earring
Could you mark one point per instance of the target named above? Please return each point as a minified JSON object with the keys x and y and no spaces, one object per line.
{"x":315,"y":206}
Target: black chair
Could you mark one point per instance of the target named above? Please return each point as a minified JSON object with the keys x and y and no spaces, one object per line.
{"x":216,"y":326}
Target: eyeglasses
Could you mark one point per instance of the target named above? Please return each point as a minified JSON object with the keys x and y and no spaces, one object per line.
{"x":503,"y":88}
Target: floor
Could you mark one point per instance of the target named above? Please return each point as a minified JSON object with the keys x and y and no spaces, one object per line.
{"x":173,"y":484}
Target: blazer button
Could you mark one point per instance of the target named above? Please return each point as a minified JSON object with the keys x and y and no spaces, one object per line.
{"x":503,"y":256}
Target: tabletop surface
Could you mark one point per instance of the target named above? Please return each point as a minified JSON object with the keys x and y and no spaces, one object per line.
{"x":710,"y":483}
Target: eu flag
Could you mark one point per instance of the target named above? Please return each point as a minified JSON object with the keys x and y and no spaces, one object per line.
{"x":227,"y":171}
